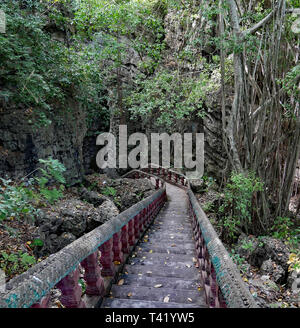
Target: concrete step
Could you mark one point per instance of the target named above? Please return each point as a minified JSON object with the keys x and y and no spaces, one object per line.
{"x":158,"y":294}
{"x":163,"y":262}
{"x":167,"y":282}
{"x":167,"y":271}
{"x":168,"y":249}
{"x":129,"y":303}
{"x":139,"y":253}
{"x":168,"y":244}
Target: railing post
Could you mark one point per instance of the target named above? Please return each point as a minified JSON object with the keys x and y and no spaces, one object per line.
{"x":43,"y":303}
{"x":182,"y":180}
{"x":131,"y":234}
{"x":71,"y":291}
{"x":137,"y":226}
{"x":124,"y":239}
{"x":157,"y":184}
{"x":92,"y":275}
{"x":117,"y":248}
{"x":106,"y":258}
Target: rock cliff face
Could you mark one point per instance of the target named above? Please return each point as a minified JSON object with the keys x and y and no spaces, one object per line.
{"x":67,"y":138}
{"x":22,"y":144}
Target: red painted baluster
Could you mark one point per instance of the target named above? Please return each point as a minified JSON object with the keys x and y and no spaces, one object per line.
{"x":131,"y":234}
{"x":182,"y":180}
{"x":149,"y":213}
{"x":43,"y":303}
{"x":176,"y":178}
{"x":124,"y":239}
{"x":71,"y":291}
{"x":117,"y":248}
{"x":92,"y":275}
{"x":157,"y":184}
{"x":143,"y":220}
{"x":170,"y":176}
{"x":106,"y":259}
{"x":137,"y":226}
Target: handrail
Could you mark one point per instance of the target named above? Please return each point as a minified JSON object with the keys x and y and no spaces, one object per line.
{"x":223,"y":284}
{"x":113,"y":239}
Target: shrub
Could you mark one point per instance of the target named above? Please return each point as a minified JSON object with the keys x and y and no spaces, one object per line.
{"x":236,"y":209}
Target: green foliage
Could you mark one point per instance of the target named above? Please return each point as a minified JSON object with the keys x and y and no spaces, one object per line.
{"x":52,"y":172}
{"x":109,"y":191}
{"x":238,"y":260}
{"x":15,"y":200}
{"x":291,"y":82}
{"x":38,"y":72}
{"x":139,"y":21}
{"x":167,"y":98}
{"x":16,"y":263}
{"x":283,"y":228}
{"x":236,"y":209}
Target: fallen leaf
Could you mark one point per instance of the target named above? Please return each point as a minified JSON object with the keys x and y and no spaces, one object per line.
{"x":190,"y":300}
{"x":158,"y":286}
{"x":129,"y":294}
{"x":166,"y":299}
{"x":117,"y":262}
{"x":173,"y":245}
{"x":188,"y":265}
{"x":149,"y":272}
{"x":151,"y":251}
{"x":121,"y":282}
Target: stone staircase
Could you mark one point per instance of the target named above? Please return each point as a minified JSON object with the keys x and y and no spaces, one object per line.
{"x":162,"y":272}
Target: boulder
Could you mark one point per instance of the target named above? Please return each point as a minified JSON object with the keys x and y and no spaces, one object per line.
{"x":275,"y":271}
{"x":103,"y":213}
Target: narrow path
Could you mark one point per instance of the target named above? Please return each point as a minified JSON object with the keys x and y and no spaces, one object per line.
{"x":161,"y":273}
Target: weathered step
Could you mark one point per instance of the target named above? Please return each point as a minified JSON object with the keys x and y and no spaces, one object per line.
{"x":140,"y":254}
{"x":129,"y":303}
{"x":167,"y":271}
{"x":186,"y":245}
{"x":170,"y":229}
{"x":159,"y":248}
{"x":171,"y":238}
{"x":170,"y":224}
{"x":158,"y":294}
{"x":184,"y":237}
{"x":162,"y":263}
{"x":167,"y":282}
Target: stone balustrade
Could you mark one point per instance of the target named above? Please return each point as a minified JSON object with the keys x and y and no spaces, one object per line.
{"x":101,"y":253}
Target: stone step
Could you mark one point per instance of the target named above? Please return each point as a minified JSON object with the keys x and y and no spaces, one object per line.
{"x":167,"y":271}
{"x":168,"y":244}
{"x":158,"y":294}
{"x":167,"y":282}
{"x":139,"y":254}
{"x":171,"y":237}
{"x":162,"y":263}
{"x":167,"y":249}
{"x":129,"y":303}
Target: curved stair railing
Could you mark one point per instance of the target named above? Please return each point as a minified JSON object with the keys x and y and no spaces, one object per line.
{"x":221,"y":279}
{"x":112,"y":242}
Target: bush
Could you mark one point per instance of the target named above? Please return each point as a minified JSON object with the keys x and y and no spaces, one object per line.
{"x":16,"y":200}
{"x":236,"y":209}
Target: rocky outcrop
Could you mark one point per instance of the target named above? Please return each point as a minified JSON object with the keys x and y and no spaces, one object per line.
{"x":22,"y":143}
{"x":124,"y":192}
{"x":69,"y":220}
